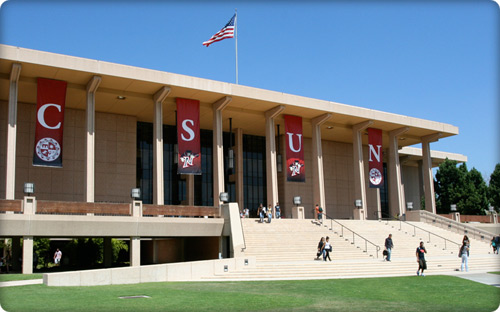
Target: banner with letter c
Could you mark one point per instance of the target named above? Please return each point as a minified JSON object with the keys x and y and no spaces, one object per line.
{"x":188,"y":136}
{"x":375,"y":164}
{"x":294,"y":149}
{"x":51,"y":101}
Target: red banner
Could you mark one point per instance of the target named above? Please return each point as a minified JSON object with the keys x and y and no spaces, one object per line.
{"x":375,"y":164}
{"x":51,"y":100}
{"x":188,"y":136}
{"x":294,"y":149}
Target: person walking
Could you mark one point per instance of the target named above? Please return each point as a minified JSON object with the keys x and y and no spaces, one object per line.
{"x":277,"y":210}
{"x":422,"y":265}
{"x":269,"y":213}
{"x":493,"y":244}
{"x":464,"y":254}
{"x":320,"y":248}
{"x":57,"y":257}
{"x":327,"y":248}
{"x":261,"y":211}
{"x":388,"y":246}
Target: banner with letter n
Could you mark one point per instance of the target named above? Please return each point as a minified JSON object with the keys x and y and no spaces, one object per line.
{"x":51,"y":100}
{"x":294,"y":149}
{"x":188,"y":136}
{"x":375,"y":164}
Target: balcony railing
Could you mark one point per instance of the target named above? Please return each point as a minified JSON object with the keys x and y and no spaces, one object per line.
{"x":108,"y":209}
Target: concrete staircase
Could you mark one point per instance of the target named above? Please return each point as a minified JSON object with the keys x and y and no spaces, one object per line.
{"x":286,"y":249}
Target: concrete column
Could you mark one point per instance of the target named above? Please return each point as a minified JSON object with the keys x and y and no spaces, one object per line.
{"x":239,"y":167}
{"x":27,"y":255}
{"x":317,"y":161}
{"x":430,"y":201}
{"x":420,"y":185}
{"x":190,"y":189}
{"x":396,"y":195}
{"x":92,"y":86}
{"x":10,"y":169}
{"x":359,"y":169}
{"x":379,"y":206}
{"x":158,"y":179}
{"x":135,"y":251}
{"x":108,"y":252}
{"x":16,"y":253}
{"x":271,"y":167}
{"x":218,"y":148}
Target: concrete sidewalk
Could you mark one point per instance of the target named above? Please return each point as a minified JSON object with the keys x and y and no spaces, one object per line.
{"x":21,"y":283}
{"x":484,"y":278}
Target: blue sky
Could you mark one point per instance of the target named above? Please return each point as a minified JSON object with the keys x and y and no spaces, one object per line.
{"x":436,"y":60}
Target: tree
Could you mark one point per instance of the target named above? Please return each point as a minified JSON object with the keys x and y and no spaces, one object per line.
{"x":494,"y":188}
{"x":474,"y":195}
{"x":448,"y":184}
{"x":457,"y":185}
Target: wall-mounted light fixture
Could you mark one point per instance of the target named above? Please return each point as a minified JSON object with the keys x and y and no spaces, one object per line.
{"x":224,"y":197}
{"x":29,"y":188}
{"x":135,"y":193}
{"x":297,"y":200}
{"x":409,"y":205}
{"x":358,"y":203}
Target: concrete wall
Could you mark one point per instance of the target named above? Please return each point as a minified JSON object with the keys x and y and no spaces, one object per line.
{"x":410,"y":180}
{"x":115,"y":169}
{"x":186,"y":271}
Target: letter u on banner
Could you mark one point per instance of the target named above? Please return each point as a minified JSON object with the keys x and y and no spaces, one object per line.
{"x":375,"y":164}
{"x":188,"y":136}
{"x":51,"y":100}
{"x":294,"y":149}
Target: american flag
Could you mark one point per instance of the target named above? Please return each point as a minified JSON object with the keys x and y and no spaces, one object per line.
{"x":226,"y":32}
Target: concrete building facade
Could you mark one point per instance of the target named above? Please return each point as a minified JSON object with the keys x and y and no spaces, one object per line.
{"x":119,"y":134}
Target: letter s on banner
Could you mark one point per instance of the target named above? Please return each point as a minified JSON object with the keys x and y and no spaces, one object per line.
{"x":294,"y":152}
{"x":51,"y":101}
{"x":375,"y":165}
{"x":188,"y":136}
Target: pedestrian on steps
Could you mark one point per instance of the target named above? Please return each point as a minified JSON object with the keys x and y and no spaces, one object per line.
{"x":320,"y":248}
{"x":327,"y":248}
{"x":388,"y":246}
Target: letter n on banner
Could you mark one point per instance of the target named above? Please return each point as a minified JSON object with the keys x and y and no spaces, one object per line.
{"x":294,"y":149}
{"x":375,"y":164}
{"x":51,"y":100}
{"x":188,"y":136}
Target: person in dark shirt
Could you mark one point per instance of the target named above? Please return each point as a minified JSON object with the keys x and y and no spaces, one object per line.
{"x":422,"y":265}
{"x":388,"y":246}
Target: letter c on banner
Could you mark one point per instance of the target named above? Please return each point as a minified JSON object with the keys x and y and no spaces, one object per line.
{"x":290,"y":142}
{"x":188,"y":130}
{"x":41,"y":115}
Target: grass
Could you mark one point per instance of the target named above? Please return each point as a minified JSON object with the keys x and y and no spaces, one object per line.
{"x":19,"y":277}
{"x":430,"y":293}
{"x":497,"y":273}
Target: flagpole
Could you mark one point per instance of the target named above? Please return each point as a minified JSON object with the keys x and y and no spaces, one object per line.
{"x":236,"y":40}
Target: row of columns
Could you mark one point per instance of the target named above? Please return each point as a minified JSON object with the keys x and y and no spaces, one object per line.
{"x":396,"y":191}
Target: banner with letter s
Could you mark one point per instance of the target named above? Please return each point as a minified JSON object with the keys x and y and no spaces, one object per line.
{"x":188,"y":136}
{"x":375,"y":164}
{"x":294,"y":149}
{"x":51,"y":101}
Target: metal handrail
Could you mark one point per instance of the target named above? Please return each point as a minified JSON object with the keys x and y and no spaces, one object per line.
{"x":377,"y":247}
{"x":467,"y":229}
{"x":243,"y":232}
{"x":428,"y":232}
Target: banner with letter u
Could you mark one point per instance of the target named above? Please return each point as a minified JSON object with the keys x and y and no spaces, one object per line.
{"x":51,"y":100}
{"x":294,"y":149}
{"x":375,"y":164}
{"x":188,"y":136}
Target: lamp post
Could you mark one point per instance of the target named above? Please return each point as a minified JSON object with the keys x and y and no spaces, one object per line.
{"x":453,"y":208}
{"x":135,"y":193}
{"x":358,"y":203}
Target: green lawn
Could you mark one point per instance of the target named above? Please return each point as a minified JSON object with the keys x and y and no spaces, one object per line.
{"x":430,"y":293}
{"x":19,"y":277}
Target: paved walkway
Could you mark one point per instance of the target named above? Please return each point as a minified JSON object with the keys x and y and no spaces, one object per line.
{"x":21,"y":283}
{"x":484,"y":278}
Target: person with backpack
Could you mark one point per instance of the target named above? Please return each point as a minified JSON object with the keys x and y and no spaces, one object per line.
{"x":464,"y":254}
{"x":320,"y":248}
{"x":388,"y":246}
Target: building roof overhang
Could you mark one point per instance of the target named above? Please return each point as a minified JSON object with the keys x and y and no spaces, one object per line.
{"x":247,"y":107}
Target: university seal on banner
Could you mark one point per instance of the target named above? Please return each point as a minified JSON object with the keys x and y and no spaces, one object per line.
{"x":48,"y":149}
{"x":375,"y":176}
